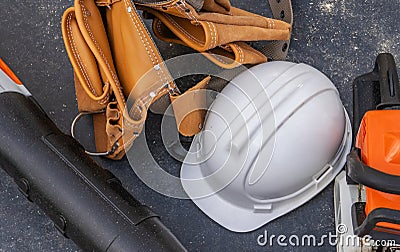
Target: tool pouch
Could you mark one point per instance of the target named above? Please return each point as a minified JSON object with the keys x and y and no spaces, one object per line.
{"x":114,"y":57}
{"x":216,"y":31}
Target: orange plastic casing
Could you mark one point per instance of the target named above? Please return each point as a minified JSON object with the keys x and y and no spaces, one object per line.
{"x":7,"y":70}
{"x":379,"y":141}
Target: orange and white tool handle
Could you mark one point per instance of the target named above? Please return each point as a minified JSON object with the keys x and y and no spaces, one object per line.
{"x":9,"y":82}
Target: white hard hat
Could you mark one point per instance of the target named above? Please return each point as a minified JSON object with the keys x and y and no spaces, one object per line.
{"x":273,"y":139}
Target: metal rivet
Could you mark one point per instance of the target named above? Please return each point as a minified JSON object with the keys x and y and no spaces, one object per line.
{"x":152,"y":94}
{"x":157,"y":67}
{"x":129,"y":9}
{"x":187,"y":10}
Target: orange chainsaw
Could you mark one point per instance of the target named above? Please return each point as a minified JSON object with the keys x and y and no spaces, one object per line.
{"x":367,"y":194}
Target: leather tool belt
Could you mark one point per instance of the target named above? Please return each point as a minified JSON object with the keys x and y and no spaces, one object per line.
{"x":111,"y":50}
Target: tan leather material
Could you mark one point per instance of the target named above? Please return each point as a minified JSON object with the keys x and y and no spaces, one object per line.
{"x":115,"y":59}
{"x":238,"y":52}
{"x":190,"y":109}
{"x":82,"y":32}
{"x":82,"y":59}
{"x":218,"y":6}
{"x":92,"y":29}
{"x":213,"y":12}
{"x":88,"y":83}
{"x":209,"y":30}
{"x":236,"y":16}
{"x":114,"y":130}
{"x":87,"y":46}
{"x":106,"y":2}
{"x":85,"y":103}
{"x":134,"y":52}
{"x":241,"y":17}
{"x":178,"y":22}
{"x":99,"y":126}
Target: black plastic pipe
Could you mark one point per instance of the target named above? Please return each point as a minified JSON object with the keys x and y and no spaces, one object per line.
{"x":86,"y":202}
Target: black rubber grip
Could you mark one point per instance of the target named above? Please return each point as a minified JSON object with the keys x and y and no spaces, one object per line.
{"x":370,"y":177}
{"x":389,"y":81}
{"x":379,"y":89}
{"x":376,"y":216}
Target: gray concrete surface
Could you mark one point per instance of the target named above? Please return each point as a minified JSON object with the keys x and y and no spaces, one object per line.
{"x":339,"y":37}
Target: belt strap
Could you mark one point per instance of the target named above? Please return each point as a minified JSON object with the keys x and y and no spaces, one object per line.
{"x":281,"y":10}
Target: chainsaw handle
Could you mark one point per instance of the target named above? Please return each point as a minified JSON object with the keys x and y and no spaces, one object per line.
{"x":376,"y":216}
{"x":388,"y":80}
{"x":370,"y":177}
{"x":379,"y":89}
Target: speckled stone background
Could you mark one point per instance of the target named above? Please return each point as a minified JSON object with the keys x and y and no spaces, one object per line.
{"x":340,"y":38}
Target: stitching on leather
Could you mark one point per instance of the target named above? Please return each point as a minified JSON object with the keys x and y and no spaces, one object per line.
{"x":141,"y":35}
{"x":213,"y":36}
{"x":154,"y":4}
{"x":219,"y":58}
{"x":158,"y":26}
{"x":76,"y":55}
{"x":269,"y":24}
{"x":102,"y":54}
{"x":240,"y":53}
{"x":188,"y":14}
{"x":107,"y":97}
{"x":226,"y":47}
{"x":106,"y":2}
{"x":137,"y":112}
{"x":137,"y":126}
{"x":80,"y":63}
{"x":147,"y":45}
{"x":180,"y":28}
{"x":144,"y":101}
{"x":168,"y":5}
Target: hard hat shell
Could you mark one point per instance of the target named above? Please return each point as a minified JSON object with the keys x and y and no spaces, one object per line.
{"x":273,"y":139}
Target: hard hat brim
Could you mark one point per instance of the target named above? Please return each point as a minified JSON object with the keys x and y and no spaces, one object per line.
{"x":241,"y":219}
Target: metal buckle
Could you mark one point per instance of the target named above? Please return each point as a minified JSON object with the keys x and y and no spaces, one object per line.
{"x":73,"y":125}
{"x":173,"y":90}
